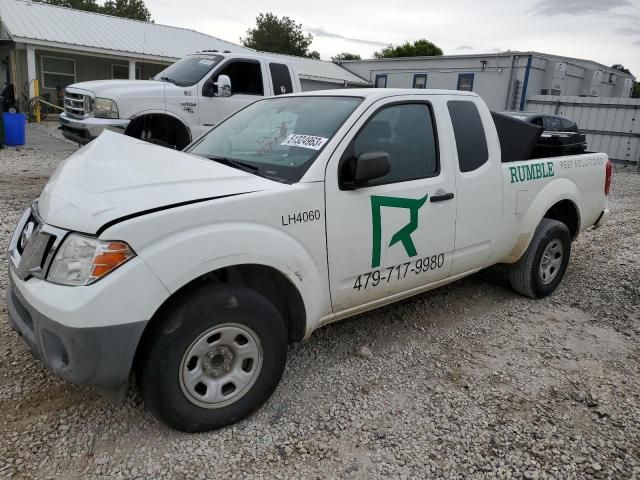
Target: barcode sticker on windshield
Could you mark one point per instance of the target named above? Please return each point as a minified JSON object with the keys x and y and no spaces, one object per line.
{"x":304,"y":141}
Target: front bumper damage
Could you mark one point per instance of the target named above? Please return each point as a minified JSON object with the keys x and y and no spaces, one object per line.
{"x":83,"y":130}
{"x":96,"y":356}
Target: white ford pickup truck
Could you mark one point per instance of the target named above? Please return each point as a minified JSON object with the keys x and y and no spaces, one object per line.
{"x":195,"y":269}
{"x":181,"y":103}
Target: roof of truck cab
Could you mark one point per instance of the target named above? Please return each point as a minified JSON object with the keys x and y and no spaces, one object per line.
{"x":307,"y":68}
{"x":380,"y":92}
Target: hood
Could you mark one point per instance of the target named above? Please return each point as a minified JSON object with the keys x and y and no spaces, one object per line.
{"x":115,"y":89}
{"x":115,"y":176}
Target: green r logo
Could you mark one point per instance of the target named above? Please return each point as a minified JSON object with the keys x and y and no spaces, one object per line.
{"x":404,"y":234}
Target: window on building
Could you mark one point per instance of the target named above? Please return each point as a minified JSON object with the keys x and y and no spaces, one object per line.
{"x":469,"y":133}
{"x":121,"y":72}
{"x":381,"y":81}
{"x":245,"y":76}
{"x":57,"y":72}
{"x":465,"y":82}
{"x":407,"y":134}
{"x":420,"y":80}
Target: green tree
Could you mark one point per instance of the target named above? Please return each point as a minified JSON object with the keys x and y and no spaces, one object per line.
{"x":419,"y":48}
{"x":133,"y":9}
{"x":617,"y":66}
{"x":345,"y":56}
{"x":279,"y":35}
{"x":86,"y":5}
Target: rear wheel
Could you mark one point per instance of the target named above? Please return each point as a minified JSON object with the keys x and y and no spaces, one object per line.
{"x":542,"y":267}
{"x":214,"y":358}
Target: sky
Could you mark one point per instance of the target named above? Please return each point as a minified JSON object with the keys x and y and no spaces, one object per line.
{"x":606,"y":31}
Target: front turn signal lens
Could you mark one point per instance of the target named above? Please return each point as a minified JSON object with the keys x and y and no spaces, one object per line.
{"x":109,"y":257}
{"x":83,"y":260}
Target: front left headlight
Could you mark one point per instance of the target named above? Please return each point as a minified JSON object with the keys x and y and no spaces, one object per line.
{"x":82,"y":260}
{"x":105,"y":108}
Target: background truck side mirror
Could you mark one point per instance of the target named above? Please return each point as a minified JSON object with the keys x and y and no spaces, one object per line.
{"x":224,"y":86}
{"x":358,"y":171}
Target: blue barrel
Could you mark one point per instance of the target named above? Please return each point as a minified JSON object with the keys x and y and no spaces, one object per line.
{"x":15,"y":127}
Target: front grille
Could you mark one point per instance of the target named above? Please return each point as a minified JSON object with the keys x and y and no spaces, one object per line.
{"x":76,"y":104}
{"x":33,"y":245}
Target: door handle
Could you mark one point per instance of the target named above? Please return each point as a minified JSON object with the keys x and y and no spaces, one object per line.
{"x":441,"y":198}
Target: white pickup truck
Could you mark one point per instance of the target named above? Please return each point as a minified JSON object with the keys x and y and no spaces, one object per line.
{"x":181,"y":103}
{"x":194,"y":269}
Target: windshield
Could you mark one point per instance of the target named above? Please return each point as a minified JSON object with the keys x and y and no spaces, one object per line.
{"x":188,"y":70}
{"x":277,"y":138}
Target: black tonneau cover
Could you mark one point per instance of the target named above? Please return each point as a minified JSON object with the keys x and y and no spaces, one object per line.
{"x":517,"y":138}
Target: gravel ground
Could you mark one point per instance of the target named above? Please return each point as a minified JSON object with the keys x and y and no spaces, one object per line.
{"x":469,"y":381}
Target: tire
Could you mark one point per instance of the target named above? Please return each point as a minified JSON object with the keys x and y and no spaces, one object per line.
{"x":208,"y":324}
{"x":542,"y":267}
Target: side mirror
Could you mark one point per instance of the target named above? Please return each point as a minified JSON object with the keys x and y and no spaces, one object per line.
{"x":366,"y":167}
{"x":224,"y":86}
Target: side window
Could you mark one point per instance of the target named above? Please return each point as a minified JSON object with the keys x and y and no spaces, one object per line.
{"x":420,"y":80}
{"x":381,"y":81}
{"x":469,"y":133}
{"x":569,"y":125}
{"x":246,"y":77}
{"x":280,"y":78}
{"x":406,"y":132}
{"x":552,"y":124}
{"x":465,"y":82}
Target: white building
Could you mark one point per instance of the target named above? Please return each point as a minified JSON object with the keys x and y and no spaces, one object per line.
{"x":504,"y":80}
{"x":60,"y":46}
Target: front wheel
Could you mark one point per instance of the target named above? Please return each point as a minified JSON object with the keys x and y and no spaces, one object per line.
{"x":214,"y":358}
{"x":542,"y":267}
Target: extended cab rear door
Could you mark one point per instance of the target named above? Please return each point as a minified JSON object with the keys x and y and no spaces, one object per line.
{"x":397,"y":233}
{"x":476,"y":160}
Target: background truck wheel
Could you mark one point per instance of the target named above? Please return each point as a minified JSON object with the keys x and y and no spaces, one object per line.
{"x":213,"y":358}
{"x":541,"y":268}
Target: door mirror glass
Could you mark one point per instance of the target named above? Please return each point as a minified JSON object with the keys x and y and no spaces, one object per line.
{"x":224,"y":86}
{"x":364,"y":168}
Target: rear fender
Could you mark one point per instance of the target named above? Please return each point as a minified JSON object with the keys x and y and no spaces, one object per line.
{"x":556,"y":191}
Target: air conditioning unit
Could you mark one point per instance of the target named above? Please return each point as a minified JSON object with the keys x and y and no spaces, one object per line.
{"x":592,"y":83}
{"x":554,"y":81}
{"x":623,"y":86}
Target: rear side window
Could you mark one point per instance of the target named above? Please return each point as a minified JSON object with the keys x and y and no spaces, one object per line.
{"x":552,"y":124}
{"x":280,"y":78}
{"x":568,"y":125}
{"x":469,"y":132}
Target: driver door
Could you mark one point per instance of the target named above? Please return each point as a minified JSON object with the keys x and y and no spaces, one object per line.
{"x":247,"y":86}
{"x":396,"y":233}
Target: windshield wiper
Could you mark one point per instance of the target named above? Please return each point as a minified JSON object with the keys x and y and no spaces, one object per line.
{"x":167,"y":79}
{"x":233,"y":163}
